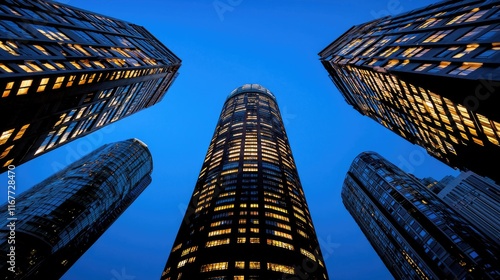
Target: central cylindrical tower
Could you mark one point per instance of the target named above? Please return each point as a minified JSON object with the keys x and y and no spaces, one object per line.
{"x":248,"y":217}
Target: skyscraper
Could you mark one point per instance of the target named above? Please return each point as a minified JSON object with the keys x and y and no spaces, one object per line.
{"x":65,"y":72}
{"x":477,"y":199}
{"x":429,"y":75}
{"x":57,"y":220}
{"x":248,"y":217}
{"x":415,"y":234}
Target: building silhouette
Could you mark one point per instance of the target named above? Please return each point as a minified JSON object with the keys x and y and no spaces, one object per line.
{"x":415,"y":234}
{"x":248,"y":217}
{"x":429,"y":75}
{"x":57,"y":220}
{"x":477,"y":199}
{"x":66,"y":72}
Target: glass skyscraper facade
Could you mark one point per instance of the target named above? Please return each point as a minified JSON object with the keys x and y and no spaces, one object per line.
{"x":247,"y":217}
{"x":477,"y":199}
{"x":65,"y":72}
{"x":58,"y":219}
{"x":415,"y":234}
{"x":429,"y":75}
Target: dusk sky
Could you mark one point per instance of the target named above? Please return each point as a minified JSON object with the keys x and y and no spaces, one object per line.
{"x":224,"y":44}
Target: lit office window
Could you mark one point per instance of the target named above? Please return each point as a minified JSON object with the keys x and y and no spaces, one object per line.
{"x":219,"y":242}
{"x":24,"y":87}
{"x":280,"y":268}
{"x":280,"y":244}
{"x":437,"y":36}
{"x":466,"y":68}
{"x":214,"y":266}
{"x":254,"y":265}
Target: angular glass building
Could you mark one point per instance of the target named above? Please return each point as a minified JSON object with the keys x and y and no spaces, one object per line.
{"x":248,"y":217}
{"x":429,"y":75}
{"x":66,"y":72}
{"x":57,"y":220}
{"x":415,"y":234}
{"x":477,"y":199}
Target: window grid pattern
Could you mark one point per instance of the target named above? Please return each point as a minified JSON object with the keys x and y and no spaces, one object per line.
{"x":113,"y":69}
{"x":398,"y":83}
{"x":408,"y":225}
{"x":248,"y":198}
{"x":66,"y":213}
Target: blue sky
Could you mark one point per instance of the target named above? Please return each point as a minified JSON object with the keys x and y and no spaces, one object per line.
{"x":224,"y":44}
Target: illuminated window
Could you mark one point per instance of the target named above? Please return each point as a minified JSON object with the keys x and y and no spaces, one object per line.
{"x":219,"y":232}
{"x":5,"y":136}
{"x":437,"y":36}
{"x":275,"y":208}
{"x":71,"y":80}
{"x":241,"y":240}
{"x":43,"y":84}
{"x":214,"y":266}
{"x":467,"y":50}
{"x":25,"y":85}
{"x":239,"y":265}
{"x":429,"y":23}
{"x":422,"y":67}
{"x":390,"y":51}
{"x":42,"y":49}
{"x":276,"y":216}
{"x":49,"y":66}
{"x":8,"y":87}
{"x":307,"y":254}
{"x":177,"y":247}
{"x":20,"y":133}
{"x":223,"y":222}
{"x":8,"y":162}
{"x":218,"y":242}
{"x":58,"y":82}
{"x":280,"y":244}
{"x":189,"y":250}
{"x":254,"y":265}
{"x":476,"y":15}
{"x":391,"y":63}
{"x":466,"y":68}
{"x":5,"y":68}
{"x":182,"y":263}
{"x":302,"y":233}
{"x":224,"y":207}
{"x":279,"y":233}
{"x":51,"y":33}
{"x":280,"y":268}
{"x":440,"y":67}
{"x":9,"y":47}
{"x":254,"y":240}
{"x":6,"y":151}
{"x":239,"y":277}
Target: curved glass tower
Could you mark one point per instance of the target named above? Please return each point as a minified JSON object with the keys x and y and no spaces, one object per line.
{"x":414,"y":232}
{"x":248,"y":217}
{"x":57,"y":220}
